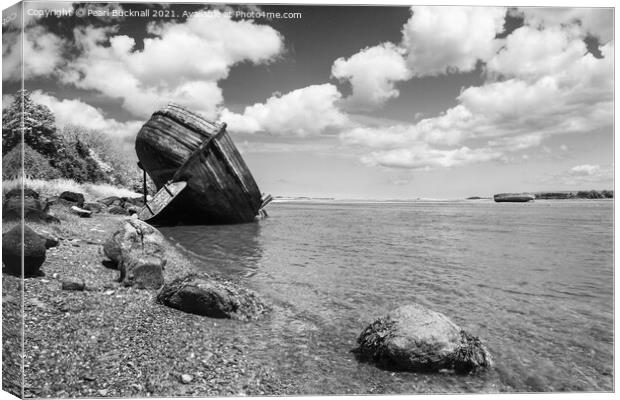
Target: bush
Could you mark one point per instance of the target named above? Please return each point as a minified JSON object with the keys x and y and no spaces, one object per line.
{"x":74,"y":162}
{"x":54,"y":187}
{"x":108,"y":154}
{"x":36,"y":166}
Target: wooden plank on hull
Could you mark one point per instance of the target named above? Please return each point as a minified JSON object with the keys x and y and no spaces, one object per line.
{"x":162,"y":199}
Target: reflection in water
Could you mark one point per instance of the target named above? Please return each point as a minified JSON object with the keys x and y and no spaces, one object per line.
{"x":535,"y":281}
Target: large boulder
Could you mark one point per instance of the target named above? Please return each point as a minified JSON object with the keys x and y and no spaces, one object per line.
{"x":33,"y":247}
{"x":34,"y":208}
{"x":131,"y":233}
{"x":414,"y":338}
{"x":202,"y":295}
{"x":138,"y":250}
{"x":76,"y":199}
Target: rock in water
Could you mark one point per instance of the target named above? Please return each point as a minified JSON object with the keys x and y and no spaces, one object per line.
{"x":73,"y":197}
{"x":138,"y":250}
{"x":415,"y":338}
{"x":34,"y":250}
{"x":200,"y":294}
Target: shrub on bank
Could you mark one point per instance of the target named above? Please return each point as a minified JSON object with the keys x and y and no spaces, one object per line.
{"x":54,"y":187}
{"x":36,"y":166}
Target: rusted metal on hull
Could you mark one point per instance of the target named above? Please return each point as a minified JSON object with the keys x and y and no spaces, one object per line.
{"x":220,"y":188}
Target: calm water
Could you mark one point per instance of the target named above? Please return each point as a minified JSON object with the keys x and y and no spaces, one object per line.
{"x":535,"y":281}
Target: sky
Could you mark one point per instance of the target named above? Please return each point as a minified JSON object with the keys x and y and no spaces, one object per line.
{"x":365,"y":102}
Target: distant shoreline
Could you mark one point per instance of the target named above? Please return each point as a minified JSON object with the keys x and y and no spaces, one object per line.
{"x":406,"y":201}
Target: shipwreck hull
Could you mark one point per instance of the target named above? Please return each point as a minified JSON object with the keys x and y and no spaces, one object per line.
{"x":176,"y":145}
{"x":169,"y":138}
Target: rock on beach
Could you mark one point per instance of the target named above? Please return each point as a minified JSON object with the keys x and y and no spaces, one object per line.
{"x":34,"y":250}
{"x":138,"y":250}
{"x":202,"y":295}
{"x":75,"y":284}
{"x":80,"y":212}
{"x":73,"y":197}
{"x":415,"y":338}
{"x":34,"y":208}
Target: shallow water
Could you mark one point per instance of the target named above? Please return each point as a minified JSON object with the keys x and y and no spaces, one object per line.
{"x":533,"y":280}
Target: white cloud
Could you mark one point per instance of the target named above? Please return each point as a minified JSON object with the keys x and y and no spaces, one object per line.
{"x":312,"y":110}
{"x":532,"y":52}
{"x":43,"y":53}
{"x":7,"y":100}
{"x":441,"y":39}
{"x":182,"y":63}
{"x":448,"y":129}
{"x":593,"y":21}
{"x":585,"y":170}
{"x":372,"y":72}
{"x":76,"y":112}
{"x":435,"y":41}
{"x":542,"y":82}
{"x":424,"y":157}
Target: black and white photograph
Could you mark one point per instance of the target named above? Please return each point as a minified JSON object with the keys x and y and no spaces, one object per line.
{"x":233,"y":199}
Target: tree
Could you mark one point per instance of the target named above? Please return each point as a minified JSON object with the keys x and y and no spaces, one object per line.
{"x":35,"y":165}
{"x":39,"y":130}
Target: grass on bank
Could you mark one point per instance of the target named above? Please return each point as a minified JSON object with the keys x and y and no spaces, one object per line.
{"x":54,"y":187}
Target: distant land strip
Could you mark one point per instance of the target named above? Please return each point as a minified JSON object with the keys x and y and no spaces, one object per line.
{"x":582,"y":194}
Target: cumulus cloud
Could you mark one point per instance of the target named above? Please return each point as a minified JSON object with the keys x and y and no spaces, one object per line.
{"x":76,"y":112}
{"x":43,"y":53}
{"x":312,"y":110}
{"x":182,"y":62}
{"x":450,"y":39}
{"x":542,"y":82}
{"x":435,"y":41}
{"x":372,"y":73}
{"x":596,"y":22}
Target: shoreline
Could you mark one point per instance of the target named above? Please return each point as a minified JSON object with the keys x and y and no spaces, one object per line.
{"x":113,"y":341}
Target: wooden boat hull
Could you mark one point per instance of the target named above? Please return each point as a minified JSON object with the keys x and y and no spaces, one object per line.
{"x":219,"y":183}
{"x":220,"y":188}
{"x":169,"y":138}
